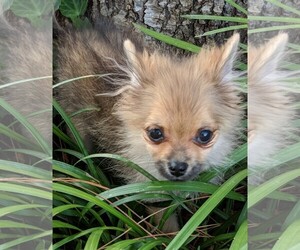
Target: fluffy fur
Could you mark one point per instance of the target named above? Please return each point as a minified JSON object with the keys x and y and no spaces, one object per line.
{"x":142,"y":90}
{"x":26,"y":53}
{"x":270,"y":106}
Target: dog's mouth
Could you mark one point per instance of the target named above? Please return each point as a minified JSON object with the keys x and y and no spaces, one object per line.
{"x":190,"y":174}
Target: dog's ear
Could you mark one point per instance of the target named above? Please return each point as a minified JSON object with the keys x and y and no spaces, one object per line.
{"x":265,"y":60}
{"x":228,"y":56}
{"x":137,"y":62}
{"x":133,"y":61}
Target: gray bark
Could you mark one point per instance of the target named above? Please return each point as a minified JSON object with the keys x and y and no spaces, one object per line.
{"x":264,"y":8}
{"x":165,"y":17}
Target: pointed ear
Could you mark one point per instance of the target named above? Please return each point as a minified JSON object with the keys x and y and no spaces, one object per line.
{"x":130,"y":52}
{"x":133,"y":61}
{"x":266,"y":58}
{"x":229,"y":52}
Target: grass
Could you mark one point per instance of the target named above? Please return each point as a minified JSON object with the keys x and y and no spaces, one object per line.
{"x":273,"y":206}
{"x":91,"y":209}
{"x":25,"y":186}
{"x":111,"y":217}
{"x":92,"y":213}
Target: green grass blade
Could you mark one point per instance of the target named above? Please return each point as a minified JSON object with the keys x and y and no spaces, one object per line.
{"x":274,"y":19}
{"x":242,"y":217}
{"x":294,"y":214}
{"x":16,"y":208}
{"x":83,"y":233}
{"x":61,"y":224}
{"x":221,"y":30}
{"x":169,"y":40}
{"x":88,"y":197}
{"x":71,"y":127}
{"x":36,"y":154}
{"x":273,"y":28}
{"x":219,"y":18}
{"x":289,"y":238}
{"x":17,"y":137}
{"x":262,"y":191}
{"x":205,"y":210}
{"x":123,"y":160}
{"x":284,"y":6}
{"x":22,"y":240}
{"x":74,"y":153}
{"x":240,"y":240}
{"x":93,"y":240}
{"x":63,"y":208}
{"x":238,"y":7}
{"x":96,"y":172}
{"x":14,"y":224}
{"x":124,"y":244}
{"x":21,"y":189}
{"x":33,"y":131}
{"x":72,"y":171}
{"x":142,"y":196}
{"x":62,"y":136}
{"x":188,"y":186}
{"x":26,"y":170}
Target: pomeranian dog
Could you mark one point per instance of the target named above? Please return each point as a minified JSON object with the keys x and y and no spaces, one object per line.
{"x":270,"y":105}
{"x":174,"y":117}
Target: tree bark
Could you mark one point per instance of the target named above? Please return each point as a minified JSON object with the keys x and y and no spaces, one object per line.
{"x":165,"y":17}
{"x":267,"y":9}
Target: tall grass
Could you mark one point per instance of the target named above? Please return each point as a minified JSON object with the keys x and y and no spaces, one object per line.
{"x":273,"y":206}
{"x":25,"y":155}
{"x":94,"y":211}
{"x":25,"y":184}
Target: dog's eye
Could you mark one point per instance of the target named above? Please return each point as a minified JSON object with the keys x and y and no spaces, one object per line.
{"x":155,"y":134}
{"x":204,"y":136}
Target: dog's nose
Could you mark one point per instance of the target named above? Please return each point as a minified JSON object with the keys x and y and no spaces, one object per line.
{"x":177,"y":168}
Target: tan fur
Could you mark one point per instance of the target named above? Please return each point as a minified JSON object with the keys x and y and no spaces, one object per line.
{"x":270,"y":106}
{"x":26,"y":54}
{"x":180,"y":95}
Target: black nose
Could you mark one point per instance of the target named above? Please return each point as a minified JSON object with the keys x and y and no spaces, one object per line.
{"x":177,"y":168}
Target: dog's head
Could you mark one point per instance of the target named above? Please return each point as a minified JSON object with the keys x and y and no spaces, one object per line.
{"x":180,"y":116}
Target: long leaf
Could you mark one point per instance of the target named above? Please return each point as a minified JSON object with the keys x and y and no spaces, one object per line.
{"x":169,"y":40}
{"x":205,"y":210}
{"x":22,"y":240}
{"x":262,"y":191}
{"x":24,"y":169}
{"x":230,"y":28}
{"x":88,"y":197}
{"x":93,"y":240}
{"x":16,"y":208}
{"x":219,"y":18}
{"x":240,"y":239}
{"x":21,"y":189}
{"x":290,"y":237}
{"x":33,"y":131}
{"x":188,"y":186}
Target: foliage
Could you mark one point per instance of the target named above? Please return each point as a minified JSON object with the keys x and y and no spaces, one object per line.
{"x":92,"y":210}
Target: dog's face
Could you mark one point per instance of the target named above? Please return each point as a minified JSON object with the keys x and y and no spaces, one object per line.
{"x":180,"y":117}
{"x":180,"y":126}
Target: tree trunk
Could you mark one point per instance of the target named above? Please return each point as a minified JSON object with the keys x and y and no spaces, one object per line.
{"x":165,"y":17}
